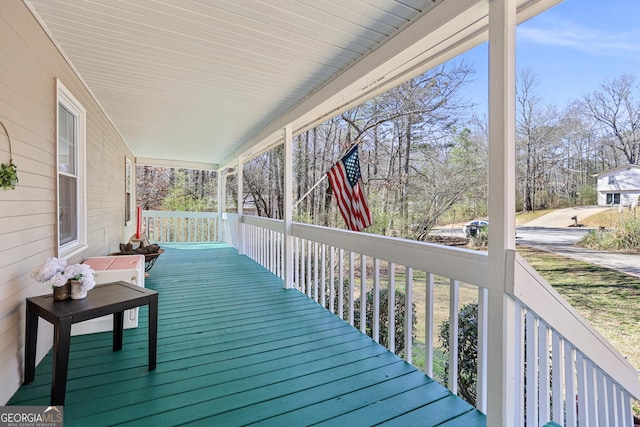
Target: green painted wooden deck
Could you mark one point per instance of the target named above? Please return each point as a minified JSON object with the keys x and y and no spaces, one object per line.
{"x":235,"y":348}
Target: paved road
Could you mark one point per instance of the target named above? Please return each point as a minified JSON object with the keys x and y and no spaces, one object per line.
{"x":549,"y":238}
{"x":562,"y":242}
{"x":552,"y":233}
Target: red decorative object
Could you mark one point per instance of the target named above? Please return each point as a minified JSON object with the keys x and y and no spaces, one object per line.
{"x":139,"y":222}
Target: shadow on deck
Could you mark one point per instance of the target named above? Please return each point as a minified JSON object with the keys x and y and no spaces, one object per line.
{"x":235,"y":348}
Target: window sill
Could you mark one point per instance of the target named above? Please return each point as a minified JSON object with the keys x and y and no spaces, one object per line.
{"x":72,"y":251}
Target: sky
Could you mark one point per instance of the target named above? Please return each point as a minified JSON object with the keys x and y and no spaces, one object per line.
{"x":571,"y":48}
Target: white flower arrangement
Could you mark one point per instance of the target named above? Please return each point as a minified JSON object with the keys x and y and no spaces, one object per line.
{"x":83,"y":274}
{"x":56,"y":272}
{"x":51,"y":271}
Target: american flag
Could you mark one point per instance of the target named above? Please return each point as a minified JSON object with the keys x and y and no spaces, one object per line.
{"x":346,"y":183}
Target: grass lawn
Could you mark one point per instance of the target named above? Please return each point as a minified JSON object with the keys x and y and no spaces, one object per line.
{"x":608,"y":219}
{"x":608,"y":299}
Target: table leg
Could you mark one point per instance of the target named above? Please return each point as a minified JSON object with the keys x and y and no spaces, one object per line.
{"x":153,"y":330}
{"x":30,"y":344}
{"x":118,"y":328}
{"x":61,"y":341}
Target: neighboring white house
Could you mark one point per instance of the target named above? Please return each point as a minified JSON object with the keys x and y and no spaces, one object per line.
{"x":619,"y":185}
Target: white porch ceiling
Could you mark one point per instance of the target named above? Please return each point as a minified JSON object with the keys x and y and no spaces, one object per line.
{"x":208,"y":81}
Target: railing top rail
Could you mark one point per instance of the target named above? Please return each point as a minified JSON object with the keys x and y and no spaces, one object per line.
{"x":268,"y":223}
{"x":465,"y":265}
{"x":178,"y":214}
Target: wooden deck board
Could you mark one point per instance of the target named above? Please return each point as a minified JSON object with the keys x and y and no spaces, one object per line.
{"x":391,"y":407}
{"x":234,"y":348}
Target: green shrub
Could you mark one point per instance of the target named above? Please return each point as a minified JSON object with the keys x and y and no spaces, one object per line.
{"x":587,"y":196}
{"x":467,"y":351}
{"x":384,"y":314}
{"x":480,"y":240}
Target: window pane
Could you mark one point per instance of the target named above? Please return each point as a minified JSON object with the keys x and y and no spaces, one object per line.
{"x":66,"y":141}
{"x":68,"y":209}
{"x":127,"y":207}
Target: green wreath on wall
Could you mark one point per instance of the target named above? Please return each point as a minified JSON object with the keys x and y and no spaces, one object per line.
{"x":8,"y":172}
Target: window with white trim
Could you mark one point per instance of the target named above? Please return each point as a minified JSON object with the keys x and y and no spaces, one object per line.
{"x":613,"y":198}
{"x":71,"y":144}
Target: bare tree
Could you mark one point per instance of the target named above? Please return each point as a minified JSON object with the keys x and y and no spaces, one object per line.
{"x":618,"y":113}
{"x":152,"y":186}
{"x":454,"y":171}
{"x":581,"y":156}
{"x":537,"y":139}
{"x":160,"y":188}
{"x":407,"y":135}
{"x":263,"y":184}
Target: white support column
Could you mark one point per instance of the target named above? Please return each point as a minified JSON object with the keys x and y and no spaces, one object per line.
{"x":222,"y":193}
{"x":501,"y":331}
{"x":218,"y":195}
{"x":481,"y":383}
{"x":288,"y":208}
{"x":221,"y":188}
{"x":241,"y":249}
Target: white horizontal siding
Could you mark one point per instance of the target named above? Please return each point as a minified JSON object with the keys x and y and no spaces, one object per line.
{"x":30,"y":65}
{"x":622,"y":179}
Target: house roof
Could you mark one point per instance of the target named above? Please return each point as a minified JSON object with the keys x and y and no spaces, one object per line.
{"x":205,"y":82}
{"x":616,"y":169}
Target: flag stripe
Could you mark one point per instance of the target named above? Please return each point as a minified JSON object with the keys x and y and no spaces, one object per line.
{"x":352,"y":201}
{"x":337,"y":179}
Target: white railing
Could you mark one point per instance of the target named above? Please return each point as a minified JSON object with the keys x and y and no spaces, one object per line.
{"x":595,"y":383}
{"x":567,"y":372}
{"x":167,"y":226}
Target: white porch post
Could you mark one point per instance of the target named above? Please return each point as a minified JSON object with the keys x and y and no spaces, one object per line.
{"x":222,"y":189}
{"x":288,"y":208}
{"x":241,"y":249}
{"x":501,"y":332}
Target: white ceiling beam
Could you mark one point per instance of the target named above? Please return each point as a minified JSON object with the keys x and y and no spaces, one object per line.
{"x":147,"y":161}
